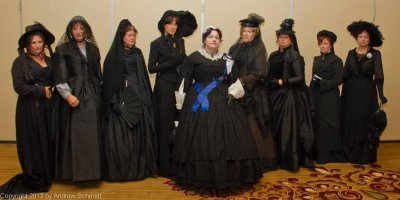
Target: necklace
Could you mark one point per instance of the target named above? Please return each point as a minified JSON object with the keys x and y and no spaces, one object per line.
{"x":362,"y":51}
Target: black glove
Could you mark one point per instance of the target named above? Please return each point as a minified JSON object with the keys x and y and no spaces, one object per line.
{"x":317,"y":80}
{"x":230,"y":99}
{"x":383,"y":100}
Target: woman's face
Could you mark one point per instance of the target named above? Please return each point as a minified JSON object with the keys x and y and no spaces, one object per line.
{"x":325,"y":46}
{"x":212,"y":41}
{"x":171,"y":27}
{"x":284,"y":41}
{"x":36,"y":45}
{"x":248,"y":34}
{"x":130,"y":38}
{"x":363,"y":39}
{"x":78,"y":32}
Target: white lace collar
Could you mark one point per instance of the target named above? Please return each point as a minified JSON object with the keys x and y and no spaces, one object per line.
{"x":213,"y":57}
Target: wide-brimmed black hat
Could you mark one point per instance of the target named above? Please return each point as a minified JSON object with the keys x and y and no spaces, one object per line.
{"x":375,"y":36}
{"x":187,"y":22}
{"x":329,"y":34}
{"x":36,"y":27}
{"x":252,"y":20}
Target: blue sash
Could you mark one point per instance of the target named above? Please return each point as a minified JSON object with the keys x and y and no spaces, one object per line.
{"x":202,"y":99}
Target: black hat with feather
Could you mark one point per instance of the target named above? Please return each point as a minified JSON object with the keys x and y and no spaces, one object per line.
{"x":375,"y":35}
{"x":287,"y":29}
{"x":187,"y":23}
{"x":253,"y":20}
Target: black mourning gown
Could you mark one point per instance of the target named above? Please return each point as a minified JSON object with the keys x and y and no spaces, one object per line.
{"x":213,"y":149}
{"x":77,"y":130}
{"x":129,"y":134}
{"x":326,"y":98}
{"x":291,"y":110}
{"x":362,"y":82}
{"x":32,"y":121}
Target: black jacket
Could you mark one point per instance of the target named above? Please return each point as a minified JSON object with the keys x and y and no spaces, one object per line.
{"x":164,"y":59}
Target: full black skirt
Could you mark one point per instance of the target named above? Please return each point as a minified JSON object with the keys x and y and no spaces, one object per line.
{"x":214,"y":149}
{"x":77,"y":134}
{"x":130,"y":139}
{"x":33,"y":147}
{"x":292,"y":116}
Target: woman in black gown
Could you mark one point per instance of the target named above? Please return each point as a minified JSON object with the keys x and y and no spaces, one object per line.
{"x":31,"y":74}
{"x":250,"y":60}
{"x":130,"y":141}
{"x":213,"y":146}
{"x":77,"y":77}
{"x":327,"y":75}
{"x":362,"y":83}
{"x":167,"y":53}
{"x":290,"y":102}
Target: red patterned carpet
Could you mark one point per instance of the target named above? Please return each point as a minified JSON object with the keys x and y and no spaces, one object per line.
{"x":350,"y":182}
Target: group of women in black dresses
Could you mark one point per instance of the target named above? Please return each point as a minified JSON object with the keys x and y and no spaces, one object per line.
{"x":240,"y":114}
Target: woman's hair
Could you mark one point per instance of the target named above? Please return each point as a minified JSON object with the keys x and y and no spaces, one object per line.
{"x":321,"y":38}
{"x":208,"y":32}
{"x":170,"y":19}
{"x":130,"y":28}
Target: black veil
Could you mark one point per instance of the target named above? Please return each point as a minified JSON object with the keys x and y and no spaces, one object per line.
{"x":113,"y":69}
{"x":113,"y":66}
{"x":67,"y":37}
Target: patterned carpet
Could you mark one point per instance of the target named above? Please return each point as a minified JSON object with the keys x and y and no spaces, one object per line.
{"x":350,"y":182}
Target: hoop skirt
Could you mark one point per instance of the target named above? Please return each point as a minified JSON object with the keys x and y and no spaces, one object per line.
{"x":214,"y":148}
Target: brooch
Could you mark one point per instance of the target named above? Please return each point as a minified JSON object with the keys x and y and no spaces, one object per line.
{"x":369,"y":55}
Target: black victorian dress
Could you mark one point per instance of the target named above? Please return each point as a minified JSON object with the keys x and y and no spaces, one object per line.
{"x":213,"y":146}
{"x":130,"y":141}
{"x":32,"y":123}
{"x":291,"y":109}
{"x":77,"y":130}
{"x":165,"y":58}
{"x":363,"y":75}
{"x":326,"y":96}
{"x":250,"y":66}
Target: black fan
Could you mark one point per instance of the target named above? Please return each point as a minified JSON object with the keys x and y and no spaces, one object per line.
{"x":131,"y":107}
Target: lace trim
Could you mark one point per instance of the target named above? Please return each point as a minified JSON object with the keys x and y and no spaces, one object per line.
{"x":213,"y":57}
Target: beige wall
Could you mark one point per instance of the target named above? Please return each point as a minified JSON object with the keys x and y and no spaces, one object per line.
{"x":310,"y":16}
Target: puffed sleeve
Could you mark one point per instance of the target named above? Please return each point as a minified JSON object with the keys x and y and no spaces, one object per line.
{"x":23,"y":86}
{"x":60,"y":68}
